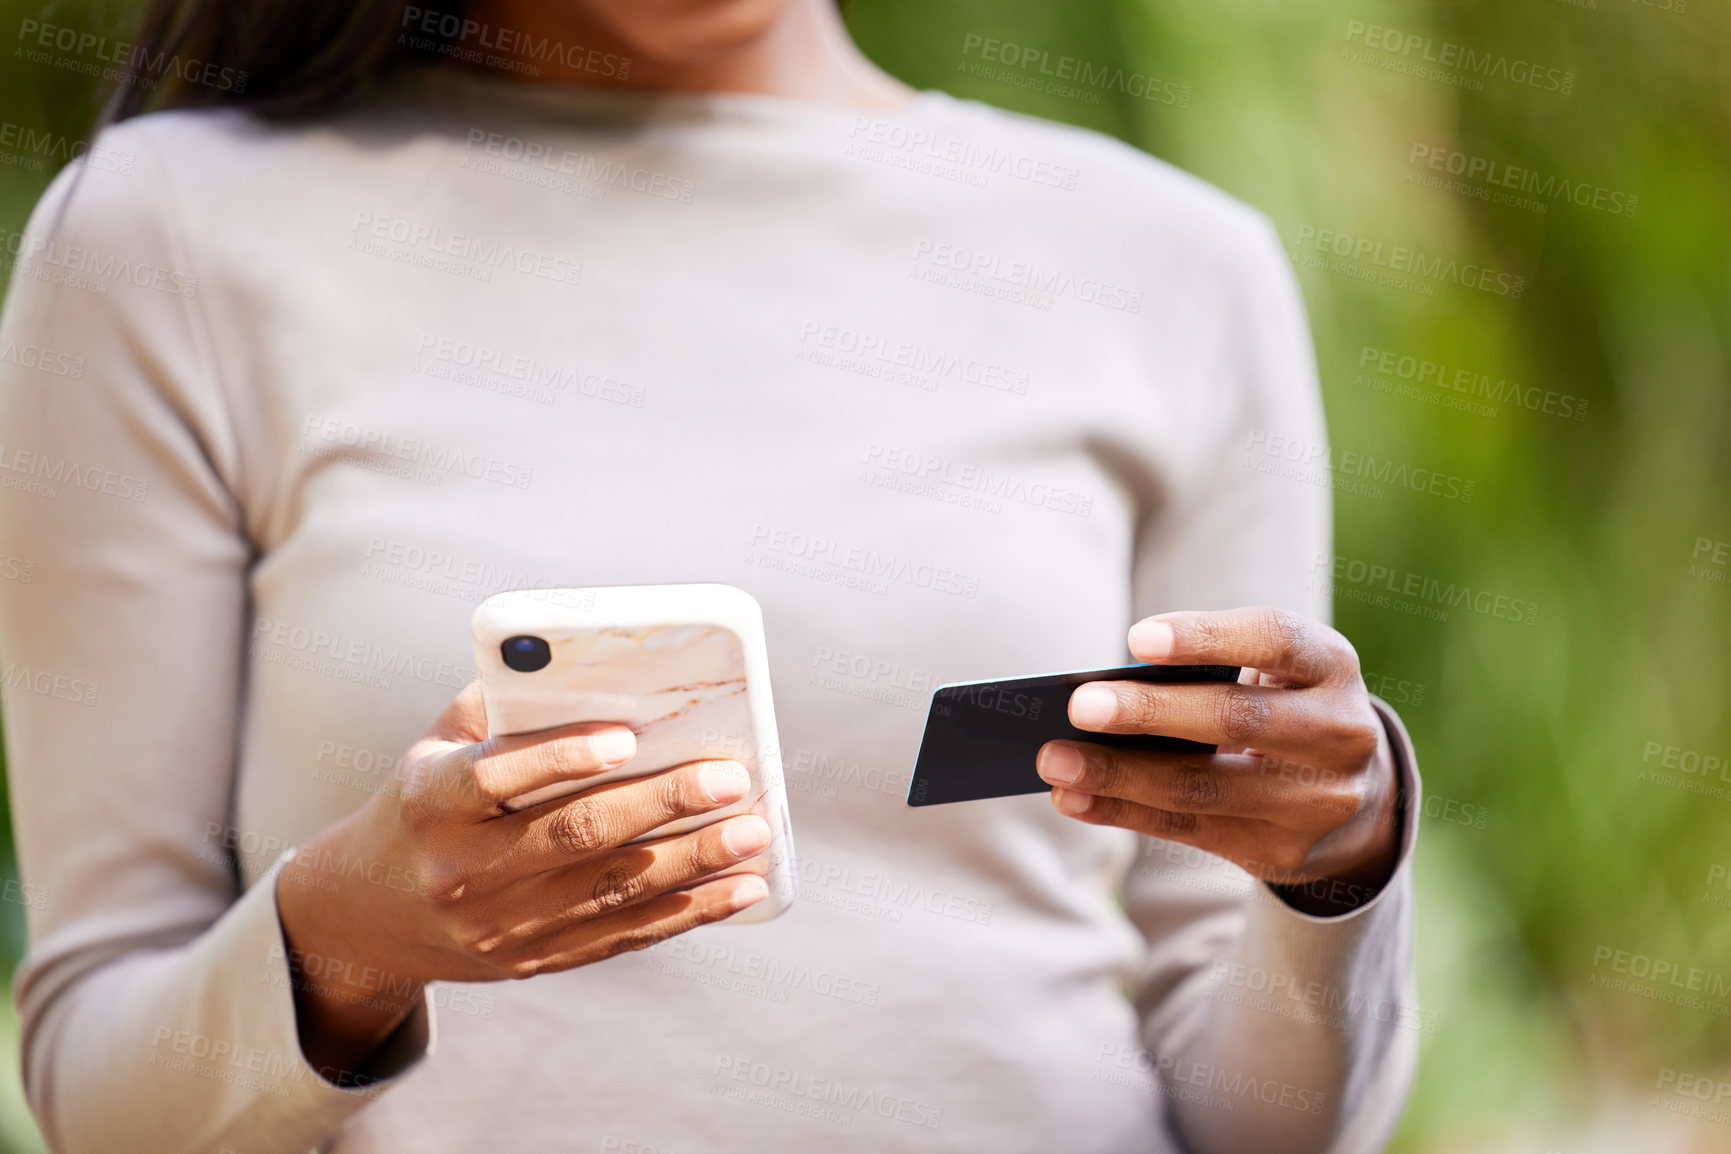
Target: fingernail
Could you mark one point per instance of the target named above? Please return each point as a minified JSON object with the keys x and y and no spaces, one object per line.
{"x":1071,"y":802}
{"x":1151,"y":640}
{"x":750,"y":890}
{"x":724,"y":781}
{"x":1060,"y":764}
{"x":615,"y":746}
{"x":1092,"y":706}
{"x":744,"y":836}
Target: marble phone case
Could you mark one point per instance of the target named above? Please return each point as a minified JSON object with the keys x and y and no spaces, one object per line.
{"x":685,"y":666}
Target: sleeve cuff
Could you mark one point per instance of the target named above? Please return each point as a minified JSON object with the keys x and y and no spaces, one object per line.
{"x":411,"y":1041}
{"x":202,"y":1045}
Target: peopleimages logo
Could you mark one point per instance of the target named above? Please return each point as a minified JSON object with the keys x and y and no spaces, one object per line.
{"x":790,"y":1091}
{"x":1486,"y":179}
{"x":1174,"y":1076}
{"x":1447,"y":61}
{"x":988,"y":698}
{"x":1390,"y":588}
{"x":518,"y":158}
{"x":992,"y":274}
{"x":1711,"y":560}
{"x":871,"y":567}
{"x":415,"y":242}
{"x":785,"y":976}
{"x":515,"y":373}
{"x":48,"y":683}
{"x":970,"y":485}
{"x":89,"y":269}
{"x":472,"y":579}
{"x":274,"y":639}
{"x":1395,"y":265}
{"x":1068,"y":76}
{"x":43,"y":359}
{"x":1348,"y":470}
{"x":920,"y":366}
{"x":477,"y":42}
{"x":32,"y":146}
{"x":41,"y":475}
{"x":892,"y":895}
{"x":937,"y":153}
{"x":39,"y":41}
{"x":1663,"y":975}
{"x":1692,"y":1095}
{"x":335,"y":438}
{"x":1442,"y":380}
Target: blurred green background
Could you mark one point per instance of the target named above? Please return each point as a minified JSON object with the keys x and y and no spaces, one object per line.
{"x":1555,"y":834}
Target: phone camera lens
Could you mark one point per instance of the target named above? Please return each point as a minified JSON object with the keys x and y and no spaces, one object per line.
{"x":526,"y":654}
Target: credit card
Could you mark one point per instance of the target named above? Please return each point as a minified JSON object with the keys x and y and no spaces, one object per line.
{"x":981,"y":736}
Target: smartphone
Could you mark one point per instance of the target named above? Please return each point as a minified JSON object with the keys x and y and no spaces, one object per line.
{"x":685,"y":666}
{"x":981,"y":737}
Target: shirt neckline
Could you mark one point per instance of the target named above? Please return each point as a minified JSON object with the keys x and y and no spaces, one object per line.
{"x":470,"y":86}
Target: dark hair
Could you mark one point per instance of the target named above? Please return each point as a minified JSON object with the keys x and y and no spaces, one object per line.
{"x":279,"y":57}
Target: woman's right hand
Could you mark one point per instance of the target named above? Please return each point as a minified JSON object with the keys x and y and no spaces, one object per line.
{"x":433,"y":879}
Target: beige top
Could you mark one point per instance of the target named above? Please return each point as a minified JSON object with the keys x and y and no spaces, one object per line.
{"x":956,"y":394}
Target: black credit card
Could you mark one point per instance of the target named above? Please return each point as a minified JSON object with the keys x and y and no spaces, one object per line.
{"x":981,"y":736}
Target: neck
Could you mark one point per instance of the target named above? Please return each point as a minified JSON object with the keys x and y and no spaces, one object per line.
{"x":804,"y":53}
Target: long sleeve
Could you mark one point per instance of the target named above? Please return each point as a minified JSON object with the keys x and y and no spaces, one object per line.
{"x":154,"y":994}
{"x":1270,"y":1030}
{"x":274,"y":379}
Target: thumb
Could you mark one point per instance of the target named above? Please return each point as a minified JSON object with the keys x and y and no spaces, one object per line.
{"x":464,"y":720}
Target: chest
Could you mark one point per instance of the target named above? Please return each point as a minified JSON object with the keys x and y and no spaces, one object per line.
{"x":909,"y":483}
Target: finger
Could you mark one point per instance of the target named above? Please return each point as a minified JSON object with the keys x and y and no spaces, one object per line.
{"x":1212,"y":833}
{"x":1263,"y":849}
{"x":464,"y":720}
{"x":1308,"y":724}
{"x":1293,"y":647}
{"x":623,"y":877}
{"x":476,"y":780}
{"x":640,"y":926}
{"x":1199,"y":830}
{"x":1231,"y":784}
{"x":557,"y":833}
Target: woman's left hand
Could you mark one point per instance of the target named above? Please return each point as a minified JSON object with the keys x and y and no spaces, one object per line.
{"x":1302,"y":791}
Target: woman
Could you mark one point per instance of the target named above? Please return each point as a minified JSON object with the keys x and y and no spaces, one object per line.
{"x":409,"y":305}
